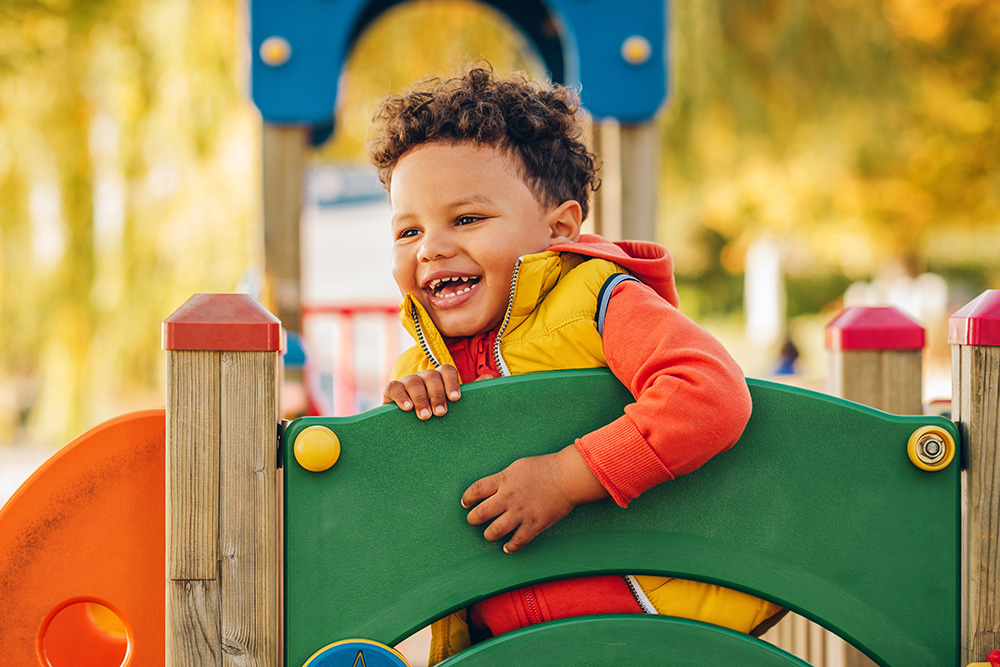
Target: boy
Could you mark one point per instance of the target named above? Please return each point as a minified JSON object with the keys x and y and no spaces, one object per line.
{"x":489,"y":183}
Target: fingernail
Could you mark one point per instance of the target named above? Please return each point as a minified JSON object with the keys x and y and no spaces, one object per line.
{"x":505,"y":549}
{"x":455,"y":395}
{"x":407,"y":405}
{"x":464,"y":506}
{"x":440,"y":410}
{"x":425,"y":414}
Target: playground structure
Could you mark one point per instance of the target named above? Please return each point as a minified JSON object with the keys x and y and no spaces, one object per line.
{"x":824,"y":506}
{"x":844,"y":514}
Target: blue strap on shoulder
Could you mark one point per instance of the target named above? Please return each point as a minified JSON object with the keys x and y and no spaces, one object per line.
{"x":604,"y":297}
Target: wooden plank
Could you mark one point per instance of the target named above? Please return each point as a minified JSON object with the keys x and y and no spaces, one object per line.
{"x":192,"y":464}
{"x":817,"y":645}
{"x":640,"y":146}
{"x":961,"y":408}
{"x":834,"y":651}
{"x":983,"y":557}
{"x":889,"y":380}
{"x":248,"y":521}
{"x":594,"y":222}
{"x":192,"y":633}
{"x":855,"y":658}
{"x":854,"y":375}
{"x":800,"y":637}
{"x":610,"y":200}
{"x":902,"y":382}
{"x":284,"y":156}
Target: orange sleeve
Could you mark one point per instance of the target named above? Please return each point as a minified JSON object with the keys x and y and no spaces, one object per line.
{"x":692,"y":400}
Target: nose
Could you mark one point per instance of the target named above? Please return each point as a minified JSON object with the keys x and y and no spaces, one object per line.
{"x":435,"y":245}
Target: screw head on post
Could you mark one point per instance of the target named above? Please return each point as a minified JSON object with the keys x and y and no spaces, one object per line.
{"x":275,"y":51}
{"x":636,"y":50}
{"x":931,"y":448}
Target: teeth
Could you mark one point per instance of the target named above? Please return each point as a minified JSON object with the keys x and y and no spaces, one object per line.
{"x":437,"y":282}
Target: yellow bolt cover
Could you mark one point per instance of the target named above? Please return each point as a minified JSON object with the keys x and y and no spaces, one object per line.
{"x":317,"y":448}
{"x":916,"y":444}
{"x":275,"y":51}
{"x":636,"y":50}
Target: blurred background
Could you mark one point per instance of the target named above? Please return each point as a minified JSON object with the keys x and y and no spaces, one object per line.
{"x":814,"y":154}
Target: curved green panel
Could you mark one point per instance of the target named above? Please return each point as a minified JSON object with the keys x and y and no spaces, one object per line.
{"x":817,"y":507}
{"x":616,"y":641}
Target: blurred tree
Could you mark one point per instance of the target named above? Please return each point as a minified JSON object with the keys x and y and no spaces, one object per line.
{"x":127,"y":171}
{"x":859,"y":132}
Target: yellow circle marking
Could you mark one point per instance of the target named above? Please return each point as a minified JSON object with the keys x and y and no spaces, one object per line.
{"x":636,"y":50}
{"x":922,"y":444}
{"x":275,"y":51}
{"x":317,"y":448}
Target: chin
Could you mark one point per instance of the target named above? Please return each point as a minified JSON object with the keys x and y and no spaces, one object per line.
{"x":460,"y":330}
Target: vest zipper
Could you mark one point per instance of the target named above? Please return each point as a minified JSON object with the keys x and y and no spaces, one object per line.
{"x":420,"y":337}
{"x":640,"y":599}
{"x":531,"y":605}
{"x":497,"y":357}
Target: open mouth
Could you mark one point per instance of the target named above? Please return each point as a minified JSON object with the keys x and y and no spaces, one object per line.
{"x":452,"y":286}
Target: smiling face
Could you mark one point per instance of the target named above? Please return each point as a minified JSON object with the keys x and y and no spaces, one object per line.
{"x":462,"y":216}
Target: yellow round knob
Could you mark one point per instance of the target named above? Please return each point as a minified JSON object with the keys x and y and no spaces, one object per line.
{"x":931,"y":448}
{"x":636,"y":50}
{"x":317,"y":448}
{"x":275,"y":51}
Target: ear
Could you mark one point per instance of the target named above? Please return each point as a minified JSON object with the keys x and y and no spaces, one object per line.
{"x":564,"y":223}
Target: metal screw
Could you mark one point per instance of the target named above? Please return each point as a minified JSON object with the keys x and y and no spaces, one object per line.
{"x":930,"y":450}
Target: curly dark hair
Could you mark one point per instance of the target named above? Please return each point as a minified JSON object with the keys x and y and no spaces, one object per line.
{"x":537,"y":123}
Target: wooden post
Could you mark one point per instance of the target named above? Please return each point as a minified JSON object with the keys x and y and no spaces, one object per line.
{"x":625,"y":206}
{"x":876,"y":358}
{"x":640,"y":149}
{"x":221,"y":454}
{"x":974,"y":334}
{"x":284,"y":156}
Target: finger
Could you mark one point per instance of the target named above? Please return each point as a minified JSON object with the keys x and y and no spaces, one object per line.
{"x":490,"y":508}
{"x":480,"y":489}
{"x":396,"y":393}
{"x":435,"y":391}
{"x":452,"y":382}
{"x":417,"y":391}
{"x":484,"y":376}
{"x":524,"y":534}
{"x":502,"y":525}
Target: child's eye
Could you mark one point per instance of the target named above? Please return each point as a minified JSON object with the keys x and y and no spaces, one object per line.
{"x":467,"y":219}
{"x":408,"y":233}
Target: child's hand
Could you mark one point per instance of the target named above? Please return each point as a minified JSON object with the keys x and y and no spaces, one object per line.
{"x":426,"y":392}
{"x":530,"y":495}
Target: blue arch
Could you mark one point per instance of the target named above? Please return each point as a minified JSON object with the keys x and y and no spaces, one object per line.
{"x":580,"y":42}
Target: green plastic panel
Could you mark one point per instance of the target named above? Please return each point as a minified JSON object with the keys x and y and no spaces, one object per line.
{"x":625,"y":640}
{"x":817,"y":508}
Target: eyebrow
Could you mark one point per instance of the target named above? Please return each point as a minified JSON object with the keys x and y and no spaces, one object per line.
{"x":472,"y":199}
{"x":458,"y":203}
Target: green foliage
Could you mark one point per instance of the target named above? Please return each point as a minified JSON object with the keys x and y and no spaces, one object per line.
{"x":125,"y":154}
{"x":857,"y":132}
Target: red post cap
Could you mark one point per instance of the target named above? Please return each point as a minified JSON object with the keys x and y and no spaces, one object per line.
{"x":873,"y":329}
{"x":977,"y":322}
{"x":222,"y":322}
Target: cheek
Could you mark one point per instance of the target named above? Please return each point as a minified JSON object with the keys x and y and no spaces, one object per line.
{"x":402,"y":271}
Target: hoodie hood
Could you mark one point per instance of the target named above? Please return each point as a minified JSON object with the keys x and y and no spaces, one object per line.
{"x":649,"y":262}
